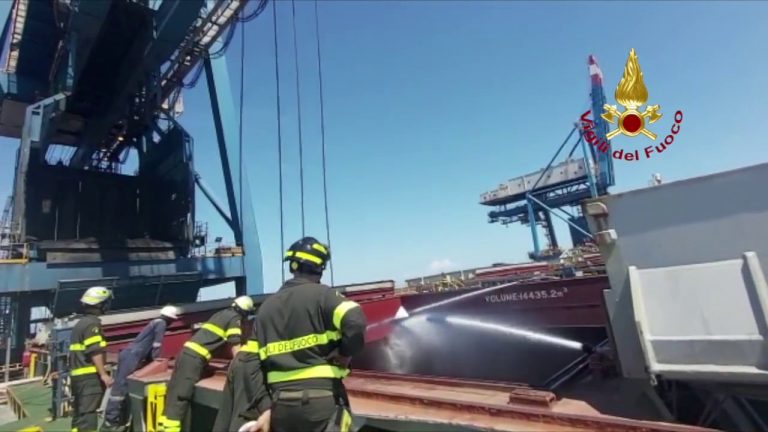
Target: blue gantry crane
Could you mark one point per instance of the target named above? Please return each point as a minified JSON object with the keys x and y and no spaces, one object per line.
{"x":85,"y":83}
{"x":532,"y":199}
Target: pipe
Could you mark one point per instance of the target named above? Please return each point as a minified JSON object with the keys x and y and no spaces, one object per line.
{"x":208,"y":194}
{"x":574,"y":368}
{"x":8,"y":356}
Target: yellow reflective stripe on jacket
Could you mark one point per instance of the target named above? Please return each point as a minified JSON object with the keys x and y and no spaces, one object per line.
{"x":346,"y":421}
{"x":84,"y":371}
{"x":282,"y":347}
{"x":251,"y":347}
{"x":319,"y":371}
{"x":234,"y":331}
{"x":213,"y":328}
{"x":92,"y":340}
{"x":88,"y":342}
{"x":340,"y":311}
{"x":168,"y":425}
{"x":199,"y":349}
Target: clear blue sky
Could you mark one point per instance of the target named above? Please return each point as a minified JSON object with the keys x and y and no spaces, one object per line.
{"x":428,"y":104}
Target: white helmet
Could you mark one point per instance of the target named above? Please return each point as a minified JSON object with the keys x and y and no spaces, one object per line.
{"x":245,"y":303}
{"x":171,"y":312}
{"x":95,"y":296}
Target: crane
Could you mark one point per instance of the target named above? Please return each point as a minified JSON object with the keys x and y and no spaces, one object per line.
{"x":84,"y":84}
{"x":533,"y":198}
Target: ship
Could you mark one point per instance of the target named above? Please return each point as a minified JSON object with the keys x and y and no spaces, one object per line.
{"x":586,"y":341}
{"x":532,"y":297}
{"x":662,"y":367}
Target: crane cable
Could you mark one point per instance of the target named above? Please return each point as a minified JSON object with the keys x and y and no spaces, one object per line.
{"x":279,"y":137}
{"x":240,"y":131}
{"x":298,"y":109}
{"x":322,"y":135}
{"x":301,"y":143}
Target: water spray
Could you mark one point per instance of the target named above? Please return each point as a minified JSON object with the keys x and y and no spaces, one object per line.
{"x":509,"y":330}
{"x":403,"y":314}
{"x":460,"y":297}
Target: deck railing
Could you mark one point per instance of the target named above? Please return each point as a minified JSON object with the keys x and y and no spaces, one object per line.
{"x":14,"y":253}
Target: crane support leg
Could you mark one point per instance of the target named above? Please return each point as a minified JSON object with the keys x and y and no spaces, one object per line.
{"x":532,"y":219}
{"x":551,"y":230}
{"x":238,"y":190}
{"x":589,"y":165}
{"x":550,"y":210}
{"x":34,"y":144}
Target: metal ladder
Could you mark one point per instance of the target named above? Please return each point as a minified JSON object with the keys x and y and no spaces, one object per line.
{"x":5,"y":227}
{"x":6,"y":313}
{"x":6,"y":233}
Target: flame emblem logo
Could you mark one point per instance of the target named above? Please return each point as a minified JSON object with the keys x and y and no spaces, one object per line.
{"x":632,"y":94}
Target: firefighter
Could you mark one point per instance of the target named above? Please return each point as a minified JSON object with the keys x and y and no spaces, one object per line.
{"x":223,"y":327}
{"x":143,"y":349}
{"x":308,"y":332}
{"x":87,"y":360}
{"x":244,"y":386}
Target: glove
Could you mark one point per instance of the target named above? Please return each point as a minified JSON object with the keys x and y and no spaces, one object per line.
{"x":260,"y":425}
{"x":337,"y":359}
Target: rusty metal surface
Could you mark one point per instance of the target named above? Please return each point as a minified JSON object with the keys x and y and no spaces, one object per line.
{"x":518,"y":393}
{"x":448,"y":401}
{"x":471,"y":403}
{"x":486,"y":404}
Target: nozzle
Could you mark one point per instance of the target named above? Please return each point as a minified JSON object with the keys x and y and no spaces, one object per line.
{"x":401,"y":313}
{"x":587,"y":348}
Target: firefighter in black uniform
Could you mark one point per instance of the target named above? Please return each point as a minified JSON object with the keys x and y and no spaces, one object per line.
{"x":308,"y":332}
{"x":223,"y":327}
{"x":245,"y":386}
{"x":87,"y":360}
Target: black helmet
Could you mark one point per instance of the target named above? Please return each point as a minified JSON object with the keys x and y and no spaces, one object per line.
{"x":308,"y":255}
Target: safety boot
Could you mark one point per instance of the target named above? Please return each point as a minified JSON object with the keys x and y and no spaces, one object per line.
{"x":108,"y":427}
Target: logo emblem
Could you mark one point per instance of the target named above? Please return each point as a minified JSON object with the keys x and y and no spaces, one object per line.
{"x":632,"y":94}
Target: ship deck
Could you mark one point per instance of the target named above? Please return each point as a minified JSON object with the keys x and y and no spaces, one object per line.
{"x":32,"y":402}
{"x":389,"y":402}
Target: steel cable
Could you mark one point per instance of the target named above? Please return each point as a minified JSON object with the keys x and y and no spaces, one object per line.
{"x":279,"y":138}
{"x":322,"y":135}
{"x":298,"y":109}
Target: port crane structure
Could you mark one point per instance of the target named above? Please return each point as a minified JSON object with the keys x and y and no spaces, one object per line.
{"x":532,"y":199}
{"x":83,"y":84}
{"x":86,"y":82}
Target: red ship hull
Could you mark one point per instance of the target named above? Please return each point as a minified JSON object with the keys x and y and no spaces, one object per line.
{"x":572,"y":309}
{"x":576,"y":302}
{"x":568,"y":308}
